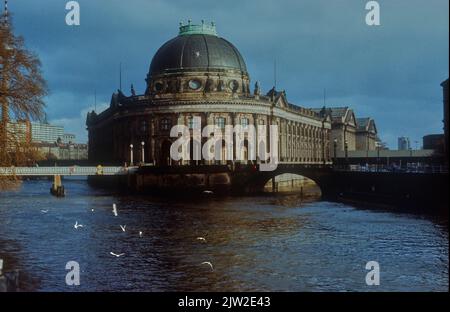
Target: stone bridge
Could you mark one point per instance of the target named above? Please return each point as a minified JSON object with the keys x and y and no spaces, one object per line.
{"x":253,"y":180}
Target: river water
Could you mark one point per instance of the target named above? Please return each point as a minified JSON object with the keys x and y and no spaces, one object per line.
{"x":264,"y":243}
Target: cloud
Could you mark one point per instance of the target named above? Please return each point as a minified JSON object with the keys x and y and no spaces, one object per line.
{"x":391,"y":72}
{"x":77,"y":125}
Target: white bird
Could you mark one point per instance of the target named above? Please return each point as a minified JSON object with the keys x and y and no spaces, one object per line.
{"x":76,"y":225}
{"x":114,"y":210}
{"x":208,"y":192}
{"x":208,"y":263}
{"x":117,"y":255}
{"x":92,"y":209}
{"x":123,"y":227}
{"x":201,"y":239}
{"x":44,"y":210}
{"x":140,"y":233}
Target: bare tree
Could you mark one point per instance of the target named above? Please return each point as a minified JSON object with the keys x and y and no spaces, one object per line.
{"x":22,"y":89}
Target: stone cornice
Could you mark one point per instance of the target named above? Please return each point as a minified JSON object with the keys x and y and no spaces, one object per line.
{"x":143,"y":105}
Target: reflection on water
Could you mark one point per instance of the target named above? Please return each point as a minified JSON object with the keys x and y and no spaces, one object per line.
{"x":274,"y":243}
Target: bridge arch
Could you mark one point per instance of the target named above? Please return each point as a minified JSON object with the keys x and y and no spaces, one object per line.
{"x":293,"y":183}
{"x":321,"y":175}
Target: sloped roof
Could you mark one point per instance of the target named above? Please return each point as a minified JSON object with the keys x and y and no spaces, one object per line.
{"x":323,"y":112}
{"x":281,"y":98}
{"x":362,"y":123}
{"x":339,"y":112}
{"x":336,"y":113}
{"x":366,"y":124}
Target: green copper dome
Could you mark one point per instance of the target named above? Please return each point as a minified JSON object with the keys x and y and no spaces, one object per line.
{"x":197,"y":48}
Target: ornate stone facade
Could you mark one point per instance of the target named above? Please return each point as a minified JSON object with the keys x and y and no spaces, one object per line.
{"x":343,"y":124}
{"x":200,"y":74}
{"x":348,"y":132}
{"x":366,"y":134}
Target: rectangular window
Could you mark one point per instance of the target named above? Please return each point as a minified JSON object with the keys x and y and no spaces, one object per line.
{"x":165,"y":124}
{"x":143,"y":126}
{"x":220,"y":122}
{"x":194,"y":122}
{"x":244,"y":122}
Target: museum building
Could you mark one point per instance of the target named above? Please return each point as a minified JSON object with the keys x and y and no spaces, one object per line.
{"x":199,"y":74}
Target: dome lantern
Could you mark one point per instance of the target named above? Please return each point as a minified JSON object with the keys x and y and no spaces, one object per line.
{"x":202,"y":29}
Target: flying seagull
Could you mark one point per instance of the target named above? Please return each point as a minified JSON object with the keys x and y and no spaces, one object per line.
{"x":114,"y":210}
{"x":202,"y":239}
{"x":116,"y":255}
{"x":123,"y":227}
{"x":44,"y":210}
{"x":76,"y":225}
{"x":208,"y":263}
{"x":92,"y":209}
{"x":208,"y":192}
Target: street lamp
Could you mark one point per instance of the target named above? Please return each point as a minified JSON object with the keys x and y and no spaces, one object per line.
{"x":335,"y":151}
{"x":131,"y":154}
{"x":142,"y":150}
{"x":378,"y":156}
{"x":367,"y":150}
{"x":346,"y":151}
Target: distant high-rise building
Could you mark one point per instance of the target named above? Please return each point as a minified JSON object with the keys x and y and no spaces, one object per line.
{"x":36,"y":132}
{"x":44,"y":132}
{"x":403,"y":144}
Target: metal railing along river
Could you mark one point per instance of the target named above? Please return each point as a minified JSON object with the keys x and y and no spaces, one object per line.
{"x":68,"y":171}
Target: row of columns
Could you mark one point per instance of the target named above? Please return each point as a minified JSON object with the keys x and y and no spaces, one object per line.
{"x":304,"y":143}
{"x":298,"y":142}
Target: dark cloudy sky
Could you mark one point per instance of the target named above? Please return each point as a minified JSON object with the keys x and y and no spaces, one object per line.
{"x":391,"y":72}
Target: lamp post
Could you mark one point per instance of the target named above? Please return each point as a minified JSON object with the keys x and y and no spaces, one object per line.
{"x":142,"y":151}
{"x":346,"y":152}
{"x":335,"y":151}
{"x":131,"y":154}
{"x":367,"y":150}
{"x":378,"y":157}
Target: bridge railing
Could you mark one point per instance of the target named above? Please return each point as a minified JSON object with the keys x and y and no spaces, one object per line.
{"x":73,"y":170}
{"x":390,"y":168}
